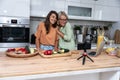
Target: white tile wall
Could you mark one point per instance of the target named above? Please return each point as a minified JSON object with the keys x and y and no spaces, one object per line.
{"x":34,"y":21}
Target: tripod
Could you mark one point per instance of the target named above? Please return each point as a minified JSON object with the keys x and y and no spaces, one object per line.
{"x":84,"y":55}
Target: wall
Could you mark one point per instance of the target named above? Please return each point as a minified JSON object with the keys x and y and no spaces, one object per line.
{"x":34,"y":21}
{"x":115,"y":26}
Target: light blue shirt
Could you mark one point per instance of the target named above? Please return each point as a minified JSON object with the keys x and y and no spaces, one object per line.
{"x":68,"y":42}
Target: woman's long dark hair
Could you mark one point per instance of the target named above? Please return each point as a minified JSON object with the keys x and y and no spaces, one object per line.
{"x":47,"y":21}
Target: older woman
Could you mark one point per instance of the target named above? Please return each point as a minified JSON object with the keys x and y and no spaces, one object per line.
{"x":65,"y":32}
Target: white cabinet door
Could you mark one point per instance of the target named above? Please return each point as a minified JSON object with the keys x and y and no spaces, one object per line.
{"x":41,"y":8}
{"x":16,"y":8}
{"x":74,"y":0}
{"x":108,"y":2}
{"x":88,"y":1}
{"x":107,"y":13}
{"x":83,"y":1}
{"x":77,"y":10}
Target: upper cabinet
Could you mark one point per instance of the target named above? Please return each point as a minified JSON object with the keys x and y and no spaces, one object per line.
{"x":41,"y":8}
{"x":15,"y":8}
{"x":102,"y":10}
{"x":108,"y":2}
{"x":107,"y":13}
{"x":77,"y":10}
{"x":88,"y":1}
{"x":107,"y":10}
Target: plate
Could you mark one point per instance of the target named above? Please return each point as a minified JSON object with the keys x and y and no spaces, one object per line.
{"x":21,"y":55}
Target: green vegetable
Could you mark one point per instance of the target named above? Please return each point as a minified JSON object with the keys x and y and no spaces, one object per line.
{"x":66,"y":50}
{"x":54,"y":52}
{"x":32,"y":50}
{"x":62,"y":50}
{"x":28,"y":49}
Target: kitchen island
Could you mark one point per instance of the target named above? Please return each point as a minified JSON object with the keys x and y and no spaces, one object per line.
{"x":105,"y":67}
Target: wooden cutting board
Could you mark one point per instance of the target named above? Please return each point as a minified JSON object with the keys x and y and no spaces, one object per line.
{"x":55,"y":55}
{"x":62,"y":54}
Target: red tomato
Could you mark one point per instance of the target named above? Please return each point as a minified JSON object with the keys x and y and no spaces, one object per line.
{"x":48,"y":52}
{"x":45,"y":53}
{"x":10,"y":50}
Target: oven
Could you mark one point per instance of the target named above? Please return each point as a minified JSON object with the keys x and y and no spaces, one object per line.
{"x":14,"y":32}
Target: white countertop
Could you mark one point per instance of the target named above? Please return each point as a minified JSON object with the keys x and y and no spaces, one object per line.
{"x":51,"y":76}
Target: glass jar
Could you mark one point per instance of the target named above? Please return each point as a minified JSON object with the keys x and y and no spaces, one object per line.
{"x":111,"y":48}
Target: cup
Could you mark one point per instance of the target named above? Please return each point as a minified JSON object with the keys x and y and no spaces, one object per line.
{"x":99,"y":40}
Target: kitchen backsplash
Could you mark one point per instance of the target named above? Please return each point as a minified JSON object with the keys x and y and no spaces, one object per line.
{"x":34,"y":21}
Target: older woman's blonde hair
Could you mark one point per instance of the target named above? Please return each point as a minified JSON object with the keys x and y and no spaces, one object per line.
{"x":62,"y":13}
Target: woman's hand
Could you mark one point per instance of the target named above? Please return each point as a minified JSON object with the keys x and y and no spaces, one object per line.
{"x":60,"y":33}
{"x":56,"y":48}
{"x":37,"y":49}
{"x":58,"y":27}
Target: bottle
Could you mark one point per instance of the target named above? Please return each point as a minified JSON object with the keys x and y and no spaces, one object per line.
{"x":80,"y":38}
{"x":100,"y":39}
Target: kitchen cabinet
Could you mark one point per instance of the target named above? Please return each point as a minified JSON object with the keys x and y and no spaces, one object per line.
{"x":41,"y":8}
{"x":74,"y":0}
{"x":101,"y":10}
{"x":15,"y":8}
{"x":77,"y":10}
{"x":108,"y":2}
{"x":88,"y":1}
{"x":105,"y":10}
{"x":102,"y":2}
{"x":106,"y":13}
{"x":83,"y":1}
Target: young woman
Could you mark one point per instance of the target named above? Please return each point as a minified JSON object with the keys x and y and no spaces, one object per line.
{"x":65,"y":32}
{"x":46,"y":34}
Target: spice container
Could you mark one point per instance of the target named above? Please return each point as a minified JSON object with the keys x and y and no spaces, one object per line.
{"x":111,"y":48}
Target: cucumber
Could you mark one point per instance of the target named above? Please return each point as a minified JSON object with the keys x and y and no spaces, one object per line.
{"x":63,"y":50}
{"x":66,"y":50}
{"x":28,"y":49}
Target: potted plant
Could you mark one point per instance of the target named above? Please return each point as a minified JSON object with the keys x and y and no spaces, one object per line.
{"x":93,"y":30}
{"x":78,"y":29}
